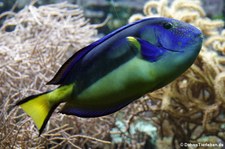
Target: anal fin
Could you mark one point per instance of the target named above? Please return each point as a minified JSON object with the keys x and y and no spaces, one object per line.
{"x":71,"y":109}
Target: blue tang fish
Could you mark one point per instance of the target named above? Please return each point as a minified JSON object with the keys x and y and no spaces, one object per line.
{"x":112,"y":72}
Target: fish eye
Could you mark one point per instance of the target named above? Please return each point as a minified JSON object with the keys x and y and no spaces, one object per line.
{"x":167,"y":25}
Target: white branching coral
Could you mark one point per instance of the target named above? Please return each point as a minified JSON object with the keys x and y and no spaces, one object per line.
{"x":34,"y":43}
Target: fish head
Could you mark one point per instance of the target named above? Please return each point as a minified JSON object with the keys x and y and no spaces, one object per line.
{"x":175,"y":47}
{"x":173,"y":35}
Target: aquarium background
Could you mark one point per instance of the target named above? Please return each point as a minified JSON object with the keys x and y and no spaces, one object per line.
{"x":117,"y":12}
{"x":189,"y":110}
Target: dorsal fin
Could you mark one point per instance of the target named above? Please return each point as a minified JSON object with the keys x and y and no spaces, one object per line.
{"x":66,"y":67}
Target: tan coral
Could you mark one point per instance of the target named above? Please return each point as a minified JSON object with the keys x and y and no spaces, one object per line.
{"x":34,"y":43}
{"x":217,"y":42}
{"x":193,"y":105}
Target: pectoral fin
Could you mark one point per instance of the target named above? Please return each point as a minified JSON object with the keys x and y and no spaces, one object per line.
{"x":148,"y":51}
{"x":151,"y":52}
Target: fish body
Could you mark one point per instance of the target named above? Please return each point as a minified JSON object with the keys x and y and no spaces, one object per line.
{"x":112,"y":72}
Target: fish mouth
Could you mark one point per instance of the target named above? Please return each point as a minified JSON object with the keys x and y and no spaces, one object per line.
{"x":201,"y":36}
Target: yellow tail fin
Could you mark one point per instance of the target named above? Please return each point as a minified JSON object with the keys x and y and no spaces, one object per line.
{"x":39,"y":108}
